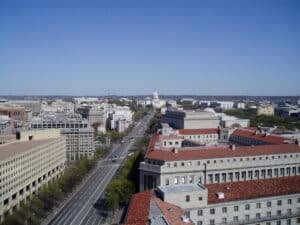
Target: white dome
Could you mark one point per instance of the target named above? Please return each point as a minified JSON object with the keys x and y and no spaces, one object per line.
{"x":155,"y":95}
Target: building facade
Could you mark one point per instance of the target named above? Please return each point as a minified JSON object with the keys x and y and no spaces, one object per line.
{"x":76,"y":130}
{"x":202,"y":180}
{"x":28,"y":163}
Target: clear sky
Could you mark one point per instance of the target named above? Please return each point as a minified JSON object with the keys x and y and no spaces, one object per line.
{"x":205,"y":47}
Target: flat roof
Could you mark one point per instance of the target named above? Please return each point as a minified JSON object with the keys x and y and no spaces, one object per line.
{"x":199,"y":131}
{"x":17,"y":147}
{"x":181,"y":188}
{"x":243,"y":190}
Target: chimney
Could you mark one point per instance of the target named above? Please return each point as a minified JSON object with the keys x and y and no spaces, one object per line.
{"x":232,"y":147}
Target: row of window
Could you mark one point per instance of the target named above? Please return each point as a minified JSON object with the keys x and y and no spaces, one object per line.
{"x":235,"y":219}
{"x":190,"y":163}
{"x":223,"y":177}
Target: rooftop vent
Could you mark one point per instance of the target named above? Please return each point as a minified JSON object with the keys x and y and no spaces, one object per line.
{"x":175,"y":150}
{"x":185,"y":219}
{"x":232,"y":147}
{"x":220,"y":195}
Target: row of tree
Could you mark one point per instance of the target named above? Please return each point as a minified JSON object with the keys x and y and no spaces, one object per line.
{"x":120,"y":189}
{"x":36,"y":207}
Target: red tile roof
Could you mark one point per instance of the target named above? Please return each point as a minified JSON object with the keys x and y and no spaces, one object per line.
{"x":216,"y":152}
{"x":253,"y":189}
{"x":198,"y":131}
{"x":171,"y":212}
{"x":139,"y":208}
{"x":272,"y":139}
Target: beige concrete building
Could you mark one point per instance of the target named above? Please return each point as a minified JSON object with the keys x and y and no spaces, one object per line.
{"x":190,"y":119}
{"x":265,"y":110}
{"x":26,"y":164}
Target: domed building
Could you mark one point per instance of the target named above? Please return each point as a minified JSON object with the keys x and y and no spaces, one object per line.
{"x":156,"y":102}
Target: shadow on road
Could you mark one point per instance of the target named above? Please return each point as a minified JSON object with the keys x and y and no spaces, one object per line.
{"x":102,"y":207}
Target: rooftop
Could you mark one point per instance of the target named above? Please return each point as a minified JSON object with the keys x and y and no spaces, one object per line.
{"x":181,"y":188}
{"x":17,"y":147}
{"x":198,"y":131}
{"x":192,"y":153}
{"x":144,"y":206}
{"x":252,"y":189}
{"x":252,"y":134}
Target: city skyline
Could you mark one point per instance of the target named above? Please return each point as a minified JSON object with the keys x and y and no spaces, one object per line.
{"x":133,"y":48}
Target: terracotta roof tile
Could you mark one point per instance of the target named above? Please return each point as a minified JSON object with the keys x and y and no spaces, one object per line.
{"x":138,"y":210}
{"x":198,"y":131}
{"x":272,"y":139}
{"x":243,"y":190}
{"x":171,"y":212}
{"x":216,"y":152}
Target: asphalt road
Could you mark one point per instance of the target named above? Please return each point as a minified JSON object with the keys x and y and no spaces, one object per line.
{"x":87,"y":206}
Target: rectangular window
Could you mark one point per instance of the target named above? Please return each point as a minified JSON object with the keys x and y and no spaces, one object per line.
{"x":211,"y":222}
{"x":235,"y":218}
{"x":210,"y":178}
{"x":247,"y":206}
{"x":212,"y":211}
{"x":236,"y":208}
{"x":278,"y":212}
{"x":289,"y":211}
{"x":224,"y":220}
{"x":200,"y":212}
{"x":279,"y":202}
{"x":250,"y":174}
{"x":258,"y":205}
{"x":257,"y":215}
{"x":269,"y":204}
{"x":199,"y":222}
{"x":289,"y":201}
{"x":269,"y":214}
{"x":224,"y":209}
{"x":276,"y":172}
{"x":217,"y":177}
{"x":176,"y":180}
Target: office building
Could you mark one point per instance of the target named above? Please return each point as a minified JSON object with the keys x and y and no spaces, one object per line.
{"x":190,"y":119}
{"x":77,"y":131}
{"x":28,"y":163}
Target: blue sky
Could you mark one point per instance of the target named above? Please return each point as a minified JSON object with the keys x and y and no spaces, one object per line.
{"x":224,"y":47}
